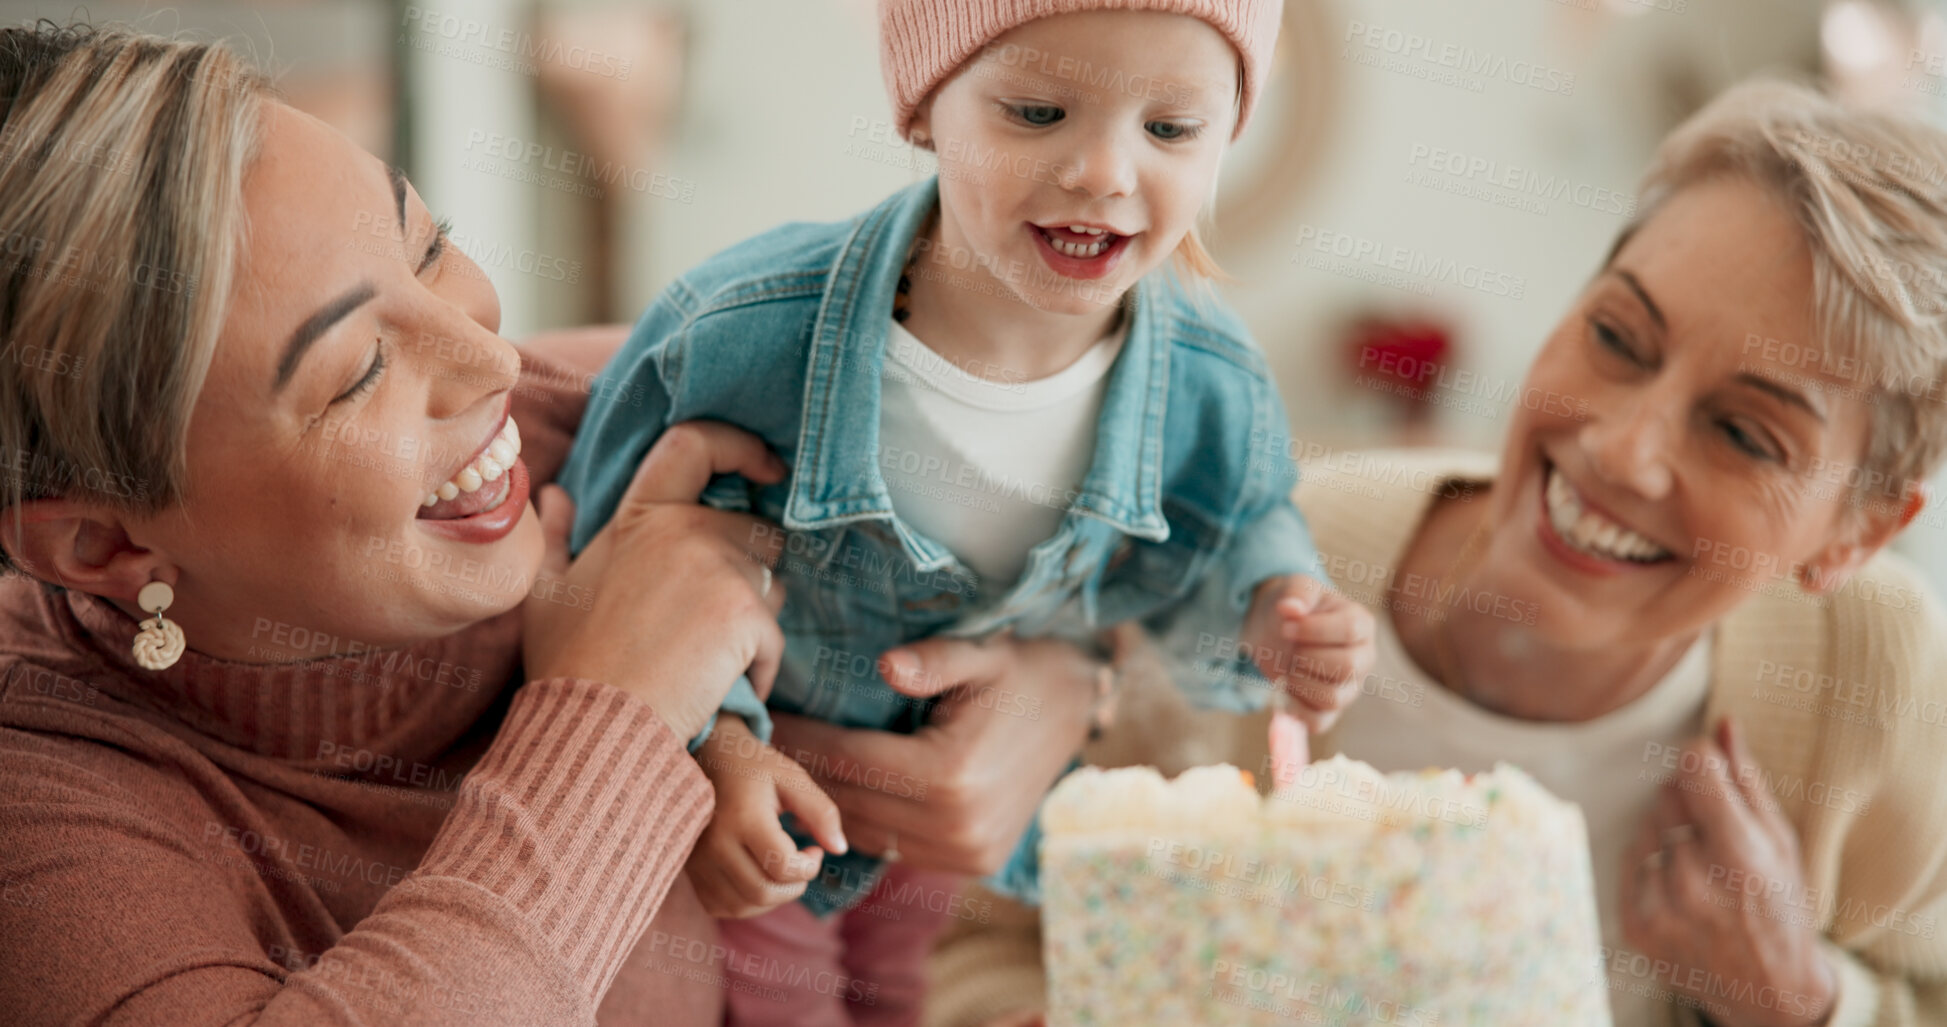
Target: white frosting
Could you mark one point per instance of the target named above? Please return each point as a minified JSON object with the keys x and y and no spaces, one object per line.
{"x":1350,"y":896}
{"x":1346,"y":793}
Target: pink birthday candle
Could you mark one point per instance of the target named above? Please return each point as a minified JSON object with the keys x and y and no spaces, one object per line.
{"x":1290,"y":745}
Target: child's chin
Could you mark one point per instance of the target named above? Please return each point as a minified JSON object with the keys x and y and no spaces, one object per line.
{"x":1088,"y":298}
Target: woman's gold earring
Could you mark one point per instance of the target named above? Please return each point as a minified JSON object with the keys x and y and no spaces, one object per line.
{"x":160,"y":642}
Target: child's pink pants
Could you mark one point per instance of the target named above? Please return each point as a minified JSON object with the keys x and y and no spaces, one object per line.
{"x":864,"y":967}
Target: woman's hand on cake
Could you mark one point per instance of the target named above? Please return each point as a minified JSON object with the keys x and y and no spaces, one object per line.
{"x":957,"y":794}
{"x":601,"y":617}
{"x":1715,"y":888}
{"x":1312,"y":642}
{"x":745,"y":864}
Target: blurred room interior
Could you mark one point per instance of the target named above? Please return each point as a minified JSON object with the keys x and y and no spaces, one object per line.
{"x":588,"y":152}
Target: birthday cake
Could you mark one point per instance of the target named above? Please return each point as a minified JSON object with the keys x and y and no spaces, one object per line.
{"x":1346,"y":897}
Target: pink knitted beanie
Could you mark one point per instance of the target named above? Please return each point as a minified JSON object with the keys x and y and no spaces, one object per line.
{"x":923,"y":42}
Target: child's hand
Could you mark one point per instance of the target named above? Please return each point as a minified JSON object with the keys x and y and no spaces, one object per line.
{"x":1313,"y":642}
{"x":745,"y":864}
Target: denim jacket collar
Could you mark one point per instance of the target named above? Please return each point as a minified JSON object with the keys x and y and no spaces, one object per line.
{"x":837,"y":479}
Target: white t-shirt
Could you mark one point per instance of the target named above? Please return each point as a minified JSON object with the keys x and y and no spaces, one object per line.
{"x":987,"y":466}
{"x":1410,"y":722}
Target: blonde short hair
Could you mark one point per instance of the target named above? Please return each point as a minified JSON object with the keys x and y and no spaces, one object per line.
{"x":122,"y":159}
{"x":1869,"y":191}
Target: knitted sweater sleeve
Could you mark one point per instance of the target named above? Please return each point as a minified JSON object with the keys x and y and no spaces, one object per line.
{"x":1888,"y":935}
{"x":558,"y":852}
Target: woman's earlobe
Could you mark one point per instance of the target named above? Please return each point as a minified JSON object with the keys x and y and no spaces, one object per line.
{"x":1818,"y":578}
{"x":1875,"y":525}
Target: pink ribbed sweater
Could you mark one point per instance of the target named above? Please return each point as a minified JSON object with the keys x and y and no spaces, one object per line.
{"x":393,"y":837}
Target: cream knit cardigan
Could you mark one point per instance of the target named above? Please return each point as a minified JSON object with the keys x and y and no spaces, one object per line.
{"x":1878,"y":877}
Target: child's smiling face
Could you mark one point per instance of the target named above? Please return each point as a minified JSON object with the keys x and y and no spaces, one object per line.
{"x":1076,"y":151}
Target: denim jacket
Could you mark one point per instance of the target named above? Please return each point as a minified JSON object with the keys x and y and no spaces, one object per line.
{"x":1184,"y":510}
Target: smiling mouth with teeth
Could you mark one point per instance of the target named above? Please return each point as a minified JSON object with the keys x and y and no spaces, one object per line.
{"x":482,"y":484}
{"x":1079,"y":241}
{"x":1589,"y":532}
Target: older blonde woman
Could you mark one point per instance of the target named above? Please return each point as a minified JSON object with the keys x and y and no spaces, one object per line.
{"x":1667,"y":600}
{"x":276,"y":577}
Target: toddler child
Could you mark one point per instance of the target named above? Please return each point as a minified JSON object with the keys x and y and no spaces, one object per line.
{"x":1000,"y":411}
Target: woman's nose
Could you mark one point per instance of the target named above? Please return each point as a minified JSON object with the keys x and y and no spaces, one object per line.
{"x":1628,"y":444}
{"x":463,"y":363}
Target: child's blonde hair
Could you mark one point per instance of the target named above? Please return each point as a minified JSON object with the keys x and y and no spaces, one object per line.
{"x":1192,"y":259}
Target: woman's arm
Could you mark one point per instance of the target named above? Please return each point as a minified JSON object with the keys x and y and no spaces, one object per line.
{"x":562,"y":844}
{"x":555,"y":857}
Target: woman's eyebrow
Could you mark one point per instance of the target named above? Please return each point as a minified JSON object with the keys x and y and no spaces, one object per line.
{"x":398,"y":180}
{"x":331,"y":313}
{"x":1782,"y":392}
{"x":316,"y":325}
{"x":1636,"y":286}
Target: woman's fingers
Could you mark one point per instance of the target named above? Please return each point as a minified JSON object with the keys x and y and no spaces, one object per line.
{"x":756,"y":538}
{"x":966,"y":784}
{"x":688,"y":455}
{"x":1681,"y":905}
{"x":1750,"y":781}
{"x":876,"y":822}
{"x":769,"y":656}
{"x":832,"y":754}
{"x":839,"y":761}
{"x":1743,"y":769}
{"x":1711,"y":801}
{"x":556,"y":513}
{"x":879,"y":839}
{"x":862,"y":806}
{"x":1642,"y":901}
{"x":934,"y":665}
{"x":1683,"y":843}
{"x":1658,"y":897}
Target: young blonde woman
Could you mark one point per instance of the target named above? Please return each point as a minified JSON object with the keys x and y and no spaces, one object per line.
{"x":305,"y":716}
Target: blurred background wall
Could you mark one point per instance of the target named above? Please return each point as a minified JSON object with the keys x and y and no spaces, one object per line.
{"x":588,"y":151}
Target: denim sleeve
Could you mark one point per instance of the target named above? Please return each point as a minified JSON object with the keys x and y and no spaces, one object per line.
{"x":1199,"y":636}
{"x":630,"y":405}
